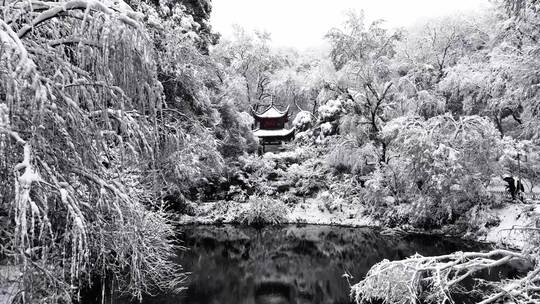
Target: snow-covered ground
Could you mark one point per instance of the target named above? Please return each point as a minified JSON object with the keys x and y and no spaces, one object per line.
{"x":309,"y":212}
{"x":513,"y":217}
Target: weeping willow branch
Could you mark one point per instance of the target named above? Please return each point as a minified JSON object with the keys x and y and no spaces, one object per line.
{"x":74,"y":40}
{"x":54,"y":98}
{"x":12,"y":134}
{"x":8,"y":36}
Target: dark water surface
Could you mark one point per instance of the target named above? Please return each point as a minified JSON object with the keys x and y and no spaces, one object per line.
{"x":232,"y":265}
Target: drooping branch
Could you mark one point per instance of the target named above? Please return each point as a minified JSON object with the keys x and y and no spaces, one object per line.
{"x":13,"y":135}
{"x":99,"y":84}
{"x":8,"y":36}
{"x":75,"y":40}
{"x":56,"y":9}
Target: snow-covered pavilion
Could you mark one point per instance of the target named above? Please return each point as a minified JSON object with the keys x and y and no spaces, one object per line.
{"x":270,"y":126}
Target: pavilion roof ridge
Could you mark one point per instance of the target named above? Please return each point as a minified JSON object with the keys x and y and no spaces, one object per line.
{"x":271,"y":112}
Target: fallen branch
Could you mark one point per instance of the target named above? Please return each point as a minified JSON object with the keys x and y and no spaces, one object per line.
{"x":435,"y":279}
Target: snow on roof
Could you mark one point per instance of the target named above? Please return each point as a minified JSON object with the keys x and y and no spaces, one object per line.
{"x":272,"y":112}
{"x":272,"y":133}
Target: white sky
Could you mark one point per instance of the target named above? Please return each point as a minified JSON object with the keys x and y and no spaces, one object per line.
{"x":303,"y":23}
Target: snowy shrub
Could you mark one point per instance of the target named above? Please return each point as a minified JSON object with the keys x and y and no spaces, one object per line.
{"x":441,"y":165}
{"x":263,"y":211}
{"x":302,"y":121}
{"x":288,"y":157}
{"x":194,"y":164}
{"x":374,"y":195}
{"x":303,"y":137}
{"x":295,"y":173}
{"x":254,"y":163}
{"x":236,"y":194}
{"x":324,"y":196}
{"x":350,"y":159}
{"x":429,"y":105}
{"x":327,"y":129}
{"x":258,"y":169}
{"x":234,"y":131}
{"x":290,"y":200}
{"x":331,"y":110}
{"x":246,"y":119}
{"x":328,"y":202}
{"x":353,"y":127}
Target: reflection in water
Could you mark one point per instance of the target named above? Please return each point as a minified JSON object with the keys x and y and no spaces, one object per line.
{"x":287,"y":265}
{"x":231,"y":265}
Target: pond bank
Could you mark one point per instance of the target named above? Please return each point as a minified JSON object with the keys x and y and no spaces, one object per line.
{"x":500,"y":230}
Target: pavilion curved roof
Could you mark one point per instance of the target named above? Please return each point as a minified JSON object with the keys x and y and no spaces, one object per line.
{"x":271,"y":112}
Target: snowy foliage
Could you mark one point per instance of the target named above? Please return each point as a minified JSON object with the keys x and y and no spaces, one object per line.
{"x":249,"y":58}
{"x":4,"y":116}
{"x":441,"y":160}
{"x":357,"y":160}
{"x":331,"y":110}
{"x":263,"y":211}
{"x":429,"y":105}
{"x":302,"y":121}
{"x":303,"y":137}
{"x":357,"y":42}
{"x":327,"y":129}
{"x":521,"y":158}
